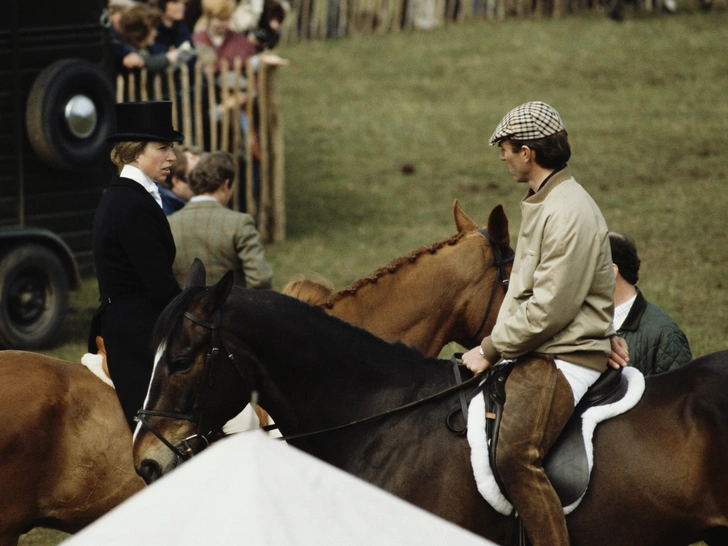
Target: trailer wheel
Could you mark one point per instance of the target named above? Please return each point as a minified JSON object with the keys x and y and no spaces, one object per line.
{"x":33,"y":297}
{"x":70,"y":113}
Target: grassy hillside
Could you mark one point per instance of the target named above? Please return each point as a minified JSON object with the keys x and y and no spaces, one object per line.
{"x":644,"y":102}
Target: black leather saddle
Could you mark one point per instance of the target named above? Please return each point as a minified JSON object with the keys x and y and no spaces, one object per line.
{"x":566,"y":463}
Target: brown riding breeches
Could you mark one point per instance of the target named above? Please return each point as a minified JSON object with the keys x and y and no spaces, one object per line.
{"x":539,"y":402}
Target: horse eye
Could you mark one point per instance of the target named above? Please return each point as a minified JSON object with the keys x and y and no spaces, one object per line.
{"x":180,"y":364}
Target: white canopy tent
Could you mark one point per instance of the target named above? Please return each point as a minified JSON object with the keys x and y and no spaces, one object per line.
{"x":251,"y":489}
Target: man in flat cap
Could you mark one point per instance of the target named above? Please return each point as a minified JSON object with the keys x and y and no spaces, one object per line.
{"x":555,"y":322}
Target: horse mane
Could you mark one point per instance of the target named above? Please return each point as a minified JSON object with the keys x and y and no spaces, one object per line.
{"x":391,"y":268}
{"x":314,"y":291}
{"x":268,"y":309}
{"x":170,"y":318}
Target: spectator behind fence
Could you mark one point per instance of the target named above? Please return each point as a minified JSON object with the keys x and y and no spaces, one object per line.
{"x":172,"y":32}
{"x":217,"y":40}
{"x":222,"y":238}
{"x":138,"y":31}
{"x":175,"y":191}
{"x":656,"y":343}
{"x":268,"y":32}
{"x":246,"y":16}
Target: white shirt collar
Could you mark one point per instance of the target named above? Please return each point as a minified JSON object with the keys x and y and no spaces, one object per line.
{"x":136,"y":174}
{"x":202,"y":198}
{"x":621,"y":312}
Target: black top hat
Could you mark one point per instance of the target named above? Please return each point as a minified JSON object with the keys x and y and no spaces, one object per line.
{"x":145,"y":121}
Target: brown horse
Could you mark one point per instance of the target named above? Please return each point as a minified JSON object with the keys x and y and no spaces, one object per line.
{"x":65,"y":446}
{"x":448,"y":291}
{"x":378,"y":410}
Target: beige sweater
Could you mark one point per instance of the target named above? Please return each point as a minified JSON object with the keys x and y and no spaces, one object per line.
{"x":560,"y":298}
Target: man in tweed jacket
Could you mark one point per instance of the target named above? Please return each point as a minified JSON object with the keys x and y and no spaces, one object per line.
{"x":225,"y":240}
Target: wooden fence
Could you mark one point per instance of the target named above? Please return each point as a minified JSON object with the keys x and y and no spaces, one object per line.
{"x":202,"y":113}
{"x":330,"y":18}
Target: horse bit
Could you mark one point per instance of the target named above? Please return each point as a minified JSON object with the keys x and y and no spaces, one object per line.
{"x":185,"y":450}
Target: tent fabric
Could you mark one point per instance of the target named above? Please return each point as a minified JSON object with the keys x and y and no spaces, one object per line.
{"x":251,"y":489}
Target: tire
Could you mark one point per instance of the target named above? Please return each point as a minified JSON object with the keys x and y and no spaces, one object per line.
{"x":33,"y":297}
{"x":70,"y":113}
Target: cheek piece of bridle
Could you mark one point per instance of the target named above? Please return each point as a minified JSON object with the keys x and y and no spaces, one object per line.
{"x":184,"y":450}
{"x":501,"y":275}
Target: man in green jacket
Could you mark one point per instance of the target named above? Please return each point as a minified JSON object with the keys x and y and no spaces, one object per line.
{"x":556,"y":319}
{"x":656,"y":343}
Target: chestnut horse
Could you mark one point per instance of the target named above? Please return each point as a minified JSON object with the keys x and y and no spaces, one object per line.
{"x":447,"y":291}
{"x":377,"y":410}
{"x":65,"y":446}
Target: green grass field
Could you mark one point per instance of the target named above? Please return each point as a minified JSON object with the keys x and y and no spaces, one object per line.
{"x":644,"y":102}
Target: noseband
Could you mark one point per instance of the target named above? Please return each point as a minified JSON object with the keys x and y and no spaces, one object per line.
{"x":185,"y":451}
{"x":501,"y":276}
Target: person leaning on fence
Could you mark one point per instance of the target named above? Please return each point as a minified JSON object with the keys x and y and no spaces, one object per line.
{"x":556,"y":319}
{"x":222,"y":238}
{"x":134,"y":249}
{"x":175,"y":191}
{"x":656,"y":342}
{"x":138,"y":32}
{"x":172,"y":33}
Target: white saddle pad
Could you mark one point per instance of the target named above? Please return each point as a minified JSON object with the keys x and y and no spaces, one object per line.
{"x":591,"y":417}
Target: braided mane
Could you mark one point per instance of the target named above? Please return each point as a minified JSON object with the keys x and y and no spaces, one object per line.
{"x":391,"y":268}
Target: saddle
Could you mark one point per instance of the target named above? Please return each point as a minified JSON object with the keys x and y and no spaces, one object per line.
{"x":568,"y":463}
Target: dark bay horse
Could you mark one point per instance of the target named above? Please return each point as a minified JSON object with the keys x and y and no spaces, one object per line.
{"x":65,"y":446}
{"x":448,"y":291}
{"x":659,"y":477}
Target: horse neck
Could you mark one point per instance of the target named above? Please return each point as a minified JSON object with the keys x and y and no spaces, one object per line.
{"x":314,"y":371}
{"x":427,"y":303}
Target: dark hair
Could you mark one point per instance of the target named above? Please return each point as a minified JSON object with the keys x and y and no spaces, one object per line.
{"x":210,"y":173}
{"x":136,"y":24}
{"x":624,"y":256}
{"x":552,"y":152}
{"x":162,"y":4}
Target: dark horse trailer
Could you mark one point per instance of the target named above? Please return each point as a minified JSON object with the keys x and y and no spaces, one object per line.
{"x":56,"y":110}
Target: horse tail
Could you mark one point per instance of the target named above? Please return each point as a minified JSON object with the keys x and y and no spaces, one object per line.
{"x":313,"y":291}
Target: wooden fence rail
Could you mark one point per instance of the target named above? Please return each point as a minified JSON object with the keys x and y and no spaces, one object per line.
{"x":209,"y":116}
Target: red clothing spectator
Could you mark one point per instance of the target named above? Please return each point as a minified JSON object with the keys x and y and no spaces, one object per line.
{"x":228,"y":46}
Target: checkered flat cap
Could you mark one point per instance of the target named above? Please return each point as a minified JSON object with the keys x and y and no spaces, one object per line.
{"x":529,"y":121}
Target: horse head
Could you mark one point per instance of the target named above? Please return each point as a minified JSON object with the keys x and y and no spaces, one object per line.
{"x":193,"y":365}
{"x":499,"y":257}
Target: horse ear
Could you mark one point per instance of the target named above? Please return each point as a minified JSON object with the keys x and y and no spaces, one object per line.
{"x":498,"y":228}
{"x":196,"y":274}
{"x":221,"y":290}
{"x":462,"y":221}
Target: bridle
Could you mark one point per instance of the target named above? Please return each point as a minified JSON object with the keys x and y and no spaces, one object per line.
{"x":184,"y":451}
{"x":217,"y":348}
{"x":500,"y":276}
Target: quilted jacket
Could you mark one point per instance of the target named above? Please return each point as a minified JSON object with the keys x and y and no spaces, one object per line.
{"x":656,"y":343}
